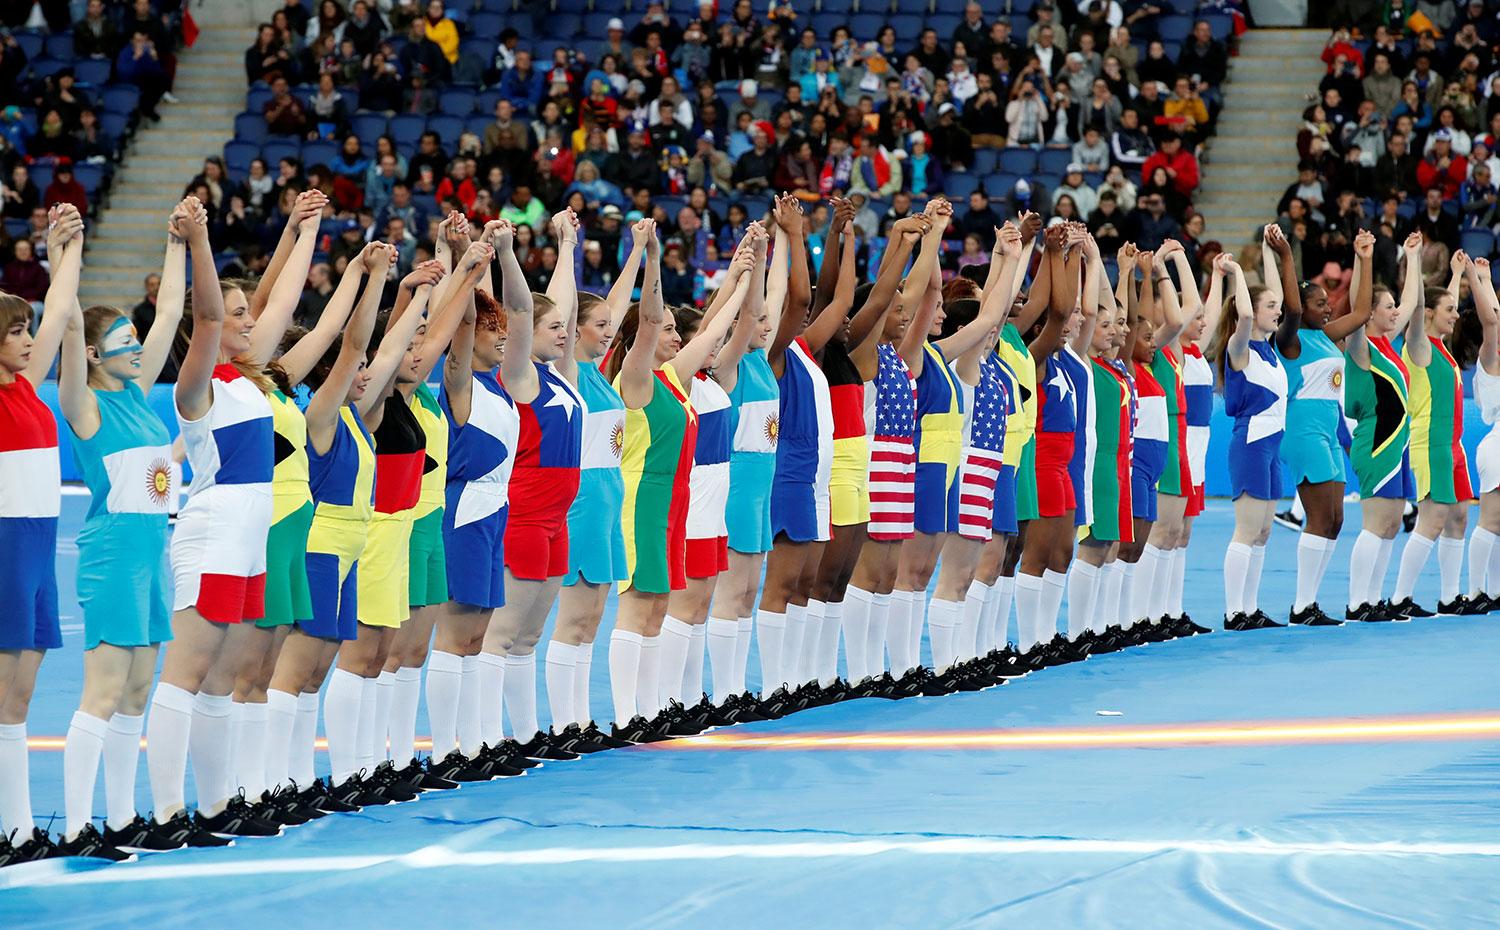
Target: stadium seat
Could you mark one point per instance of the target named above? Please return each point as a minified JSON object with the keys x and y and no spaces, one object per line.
{"x":120,"y":98}
{"x":46,"y":67}
{"x":1017,"y":161}
{"x":1183,"y":7}
{"x":997,"y":186}
{"x":866,"y":26}
{"x":564,"y":25}
{"x":1020,"y":8}
{"x":457,"y":102}
{"x":574,"y":6}
{"x":842,"y":7}
{"x":250,"y":127}
{"x":91,"y":176}
{"x":238,"y":154}
{"x":945,"y":23}
{"x":319,"y":153}
{"x":256,"y":99}
{"x":824,"y":23}
{"x":32,"y":43}
{"x":92,"y":71}
{"x":116,"y":126}
{"x":59,"y":47}
{"x":950,"y":7}
{"x":1174,"y":28}
{"x":368,"y":126}
{"x":1479,"y":243}
{"x":478,"y":49}
{"x":41,"y":175}
{"x":958,"y":186}
{"x":908,"y":26}
{"x":484,"y":25}
{"x":448,"y":128}
{"x":407,"y":127}
{"x":985,"y":161}
{"x":1220,"y":24}
{"x":274,"y":151}
{"x":477,"y":124}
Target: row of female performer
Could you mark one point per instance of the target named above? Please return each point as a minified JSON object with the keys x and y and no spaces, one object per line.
{"x":346,"y":526}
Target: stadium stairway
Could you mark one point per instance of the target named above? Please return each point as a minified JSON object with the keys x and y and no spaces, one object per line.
{"x":127,"y":240}
{"x":1254,"y":156}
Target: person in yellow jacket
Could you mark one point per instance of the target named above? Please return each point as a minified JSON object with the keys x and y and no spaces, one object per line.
{"x":441,"y":29}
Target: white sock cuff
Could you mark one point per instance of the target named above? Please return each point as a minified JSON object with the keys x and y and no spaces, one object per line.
{"x":386,"y":677}
{"x":853,"y":593}
{"x":773,"y":620}
{"x":172,"y":697}
{"x":467,"y":664}
{"x":881,"y":600}
{"x":977,"y":589}
{"x":1448,"y":542}
{"x":250,"y":711}
{"x":308,"y":701}
{"x":89,"y":724}
{"x":677,"y":627}
{"x":562,"y":653}
{"x":833,"y":610}
{"x":340,"y":674}
{"x":1031,"y":582}
{"x":408,"y":674}
{"x":492,"y":660}
{"x":1051,"y":577}
{"x":943,"y":613}
{"x":213,"y":705}
{"x":1085,"y":569}
{"x":13,"y":732}
{"x":127,"y":724}
{"x":440,"y":661}
{"x":514,"y":661}
{"x":625,"y":636}
{"x":718,"y":626}
{"x":281,"y":701}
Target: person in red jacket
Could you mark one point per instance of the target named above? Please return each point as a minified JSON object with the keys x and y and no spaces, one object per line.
{"x":1181,"y":165}
{"x":66,"y":189}
{"x":1442,"y":168}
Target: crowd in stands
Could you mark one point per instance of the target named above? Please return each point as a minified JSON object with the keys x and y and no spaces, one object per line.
{"x":403,"y":111}
{"x":76,"y":78}
{"x":1402,"y":135}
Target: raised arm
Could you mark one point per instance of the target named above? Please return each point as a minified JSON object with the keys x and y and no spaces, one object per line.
{"x":393,"y":345}
{"x":1359,"y":310}
{"x":798,"y":292}
{"x":301,"y":357}
{"x":1238,"y":348}
{"x":323,"y":410}
{"x":1482,"y":286}
{"x":516,"y":370}
{"x":194,"y":391}
{"x":563,"y":288}
{"x":1188,"y":298}
{"x":1280,"y":272}
{"x":458,"y":374}
{"x":1039,"y":298}
{"x":65,"y":245}
{"x":1059,"y":304}
{"x":1172,"y":321}
{"x":444,"y":323}
{"x":171,"y":295}
{"x":835,"y":312}
{"x":828,"y":274}
{"x":286,"y":288}
{"x":1456,"y":264}
{"x":969,"y":343}
{"x":1088,"y":297}
{"x":905,"y":233}
{"x":309,"y":203}
{"x":79,"y":405}
{"x":618,"y":299}
{"x":691,"y":358}
{"x":1213,"y":304}
{"x":1412,"y":309}
{"x":776,"y":278}
{"x":638,"y":370}
{"x":727,"y":365}
{"x":919,"y":301}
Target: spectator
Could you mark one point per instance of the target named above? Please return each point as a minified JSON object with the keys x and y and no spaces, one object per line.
{"x":981,"y":220}
{"x":1026,"y":114}
{"x":821,"y":76}
{"x":751,"y":102}
{"x":94,"y":145}
{"x":1027,"y":195}
{"x":874,"y":171}
{"x":972,"y":31}
{"x":635,"y":167}
{"x":923,"y":173}
{"x":316,"y":295}
{"x":1181,"y":166}
{"x":65,"y":188}
{"x":52,"y":140}
{"x":524,"y":210}
{"x":419,"y":97}
{"x":399,"y":236}
{"x":523,"y":84}
{"x":330,"y":111}
{"x":364,"y":28}
{"x":379,"y":87}
{"x":1442,"y":169}
{"x":421,"y":55}
{"x":441,"y":31}
{"x":1116,"y":182}
{"x":1477,"y":199}
{"x":1129,"y":144}
{"x":1149,"y":226}
{"x":402,"y":207}
{"x":693,"y":57}
{"x":24,"y":276}
{"x":1204,"y":58}
{"x":1434,"y":222}
{"x":1107,"y":223}
{"x":596,"y":191}
{"x":1074,"y":186}
{"x":429,"y":155}
{"x":1396,"y":170}
{"x":21,"y":195}
{"x":380,"y":181}
{"x":284,"y":113}
{"x":139,"y":63}
{"x":1307,"y":188}
{"x":95,"y":35}
{"x":263,"y":59}
{"x":755,"y":169}
{"x":143,"y":314}
{"x":1185,"y":110}
{"x":710,"y":168}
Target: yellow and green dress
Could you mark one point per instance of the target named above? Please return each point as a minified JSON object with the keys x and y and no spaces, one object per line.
{"x":287,"y":597}
{"x":1377,"y":401}
{"x":343,"y":492}
{"x":1437,"y":427}
{"x":656,"y":463}
{"x":428,"y":565}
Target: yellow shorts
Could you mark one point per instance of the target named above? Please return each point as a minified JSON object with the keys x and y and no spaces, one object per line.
{"x":384,"y":571}
{"x":849,"y":481}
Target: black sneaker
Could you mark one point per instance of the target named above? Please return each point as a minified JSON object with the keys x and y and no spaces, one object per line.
{"x":1479,"y":605}
{"x":1410,"y":609}
{"x":280,"y":806}
{"x":38,"y":846}
{"x":677,"y":721}
{"x":1458,"y":607}
{"x":499,"y":762}
{"x":878,"y":686}
{"x":389,"y":783}
{"x":777,"y":705}
{"x":142,"y":835}
{"x":837,"y":692}
{"x":89,"y":844}
{"x":422,"y":778}
{"x":1312,"y":615}
{"x":542,"y":747}
{"x":454,"y":767}
{"x":510,"y":753}
{"x":595,"y":735}
{"x":1197,"y":628}
{"x":317,"y":795}
{"x":920,"y":682}
{"x":1239,"y":622}
{"x":638,"y":730}
{"x":1289,"y":520}
{"x":573,"y":739}
{"x":238,"y":819}
{"x":1360,"y":613}
{"x":703,"y":713}
{"x":1263,"y":621}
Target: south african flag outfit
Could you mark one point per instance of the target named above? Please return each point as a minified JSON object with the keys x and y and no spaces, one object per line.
{"x":1377,"y":400}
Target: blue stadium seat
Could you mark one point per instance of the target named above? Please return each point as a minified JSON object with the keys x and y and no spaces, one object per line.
{"x":495,"y":6}
{"x":1183,"y":7}
{"x":997,"y":186}
{"x":120,"y":98}
{"x":985,"y":161}
{"x":407,"y":127}
{"x":756,"y":206}
{"x":115,"y":125}
{"x":596,"y":24}
{"x":31,"y":42}
{"x":908,"y":26}
{"x":824,"y":23}
{"x":1220,"y":24}
{"x":574,"y":6}
{"x":564,"y":25}
{"x":945,"y":23}
{"x":835,"y":6}
{"x":46,"y":67}
{"x":59,"y":46}
{"x":238,"y":154}
{"x":1049,"y":182}
{"x":448,"y":128}
{"x":959,"y":185}
{"x":478,"y":123}
{"x":1053,"y":161}
{"x":952,"y":7}
{"x":93,"y":71}
{"x":256,"y":98}
{"x":457,"y":102}
{"x":485,"y":102}
{"x":866,"y":26}
{"x":90,"y":175}
{"x":484,"y":25}
{"x":1479,"y":243}
{"x":319,"y":153}
{"x":1173,"y":50}
{"x":1020,"y":8}
{"x":17,"y":228}
{"x":478,"y":49}
{"x":275,"y":150}
{"x":671,"y":205}
{"x":368,"y":126}
{"x":1174,"y":28}
{"x":41,"y":175}
{"x":250,"y":127}
{"x":1017,"y":160}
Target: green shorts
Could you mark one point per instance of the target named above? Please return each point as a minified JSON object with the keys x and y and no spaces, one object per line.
{"x":429,"y":566}
{"x":288,"y":599}
{"x":1026,"y":505}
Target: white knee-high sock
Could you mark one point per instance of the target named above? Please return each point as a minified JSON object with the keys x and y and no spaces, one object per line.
{"x":15,"y":779}
{"x":1450,"y":565}
{"x":676,"y":637}
{"x":491,"y":675}
{"x":1175,"y":582}
{"x":648,"y":686}
{"x":1252,"y":578}
{"x":250,"y":753}
{"x":992,"y":626}
{"x":1309,"y":568}
{"x":470,"y":708}
{"x":520,"y":695}
{"x":364,"y":731}
{"x":208,"y":748}
{"x":281,"y":716}
{"x":692,"y":673}
{"x":880,"y":621}
{"x":904,"y":606}
{"x":1145,"y":577}
{"x":583,"y":669}
{"x":828,"y":644}
{"x":771,"y":633}
{"x":1481,"y":544}
{"x":942,"y":627}
{"x":562,"y":665}
{"x":385,"y":693}
{"x":1156,"y":595}
{"x":81,"y":751}
{"x":1005,"y":599}
{"x":1107,"y":611}
{"x":1083,"y":591}
{"x":917,"y":625}
{"x":304,"y":739}
{"x":1362,"y":559}
{"x":405,"y":697}
{"x":234,"y":744}
{"x":1125,"y":606}
{"x":970,"y":620}
{"x":1413,"y":560}
{"x":723,"y":641}
{"x":444,"y":682}
{"x":1053,"y":586}
{"x":1382,"y":563}
{"x":624,"y":673}
{"x":812,"y":640}
{"x":792,"y":643}
{"x":1028,"y":610}
{"x":1236,"y":567}
{"x":742,"y":654}
{"x":856,"y":626}
{"x":341,"y":722}
{"x":122,"y":757}
{"x":1492,"y":571}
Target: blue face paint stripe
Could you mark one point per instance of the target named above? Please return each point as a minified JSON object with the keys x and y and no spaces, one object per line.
{"x":133,"y":346}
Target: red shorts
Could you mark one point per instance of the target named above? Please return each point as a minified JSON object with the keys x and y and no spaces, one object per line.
{"x":708,"y":557}
{"x":536,"y":550}
{"x":1195,"y":501}
{"x":1054,"y":485}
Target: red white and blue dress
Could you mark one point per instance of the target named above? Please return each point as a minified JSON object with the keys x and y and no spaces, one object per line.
{"x":30,"y":500}
{"x":800,"y":505}
{"x":545,"y":478}
{"x":1056,"y":428}
{"x":708,"y":483}
{"x":891,"y":412}
{"x":219,"y":545}
{"x":986,"y":406}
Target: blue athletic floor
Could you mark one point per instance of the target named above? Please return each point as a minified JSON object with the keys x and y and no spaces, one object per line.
{"x":1302,"y":778}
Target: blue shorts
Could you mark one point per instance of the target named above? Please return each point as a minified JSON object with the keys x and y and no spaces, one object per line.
{"x":594,"y":524}
{"x":1255,"y":468}
{"x":28,"y":578}
{"x":1313,"y":456}
{"x":936,"y":502}
{"x":748,"y":511}
{"x":476,"y":558}
{"x":335,"y":600}
{"x":1143,"y":496}
{"x":1400,"y":486}
{"x":1005,"y":502}
{"x":800,"y":511}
